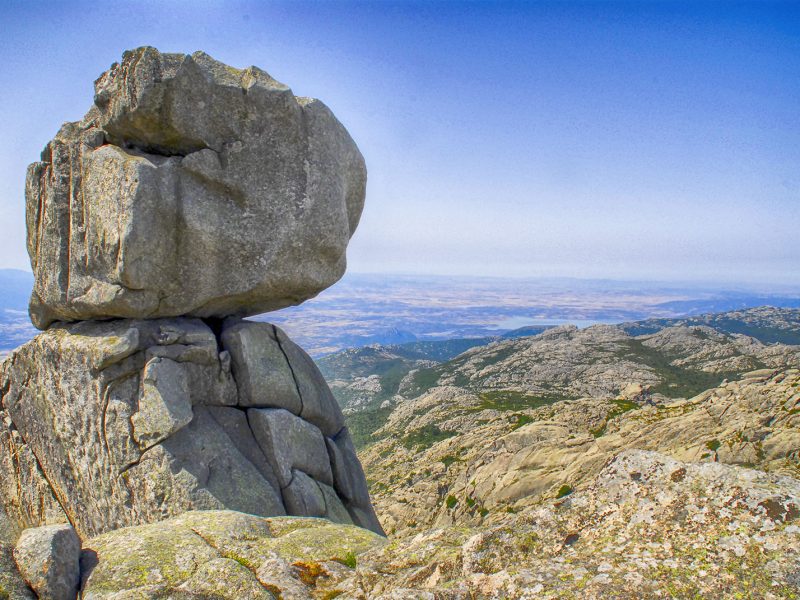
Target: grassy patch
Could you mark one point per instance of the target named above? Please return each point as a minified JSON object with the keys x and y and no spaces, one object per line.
{"x":423,"y":380}
{"x":676,"y":382}
{"x":350,"y":560}
{"x":364,"y":423}
{"x":390,"y":379}
{"x":519,"y":420}
{"x":451,"y":502}
{"x":511,"y":400}
{"x":621,"y":406}
{"x":713,"y":445}
{"x":425,"y":437}
{"x":449,"y":460}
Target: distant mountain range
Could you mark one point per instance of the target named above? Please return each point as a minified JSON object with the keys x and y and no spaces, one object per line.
{"x":670,"y":358}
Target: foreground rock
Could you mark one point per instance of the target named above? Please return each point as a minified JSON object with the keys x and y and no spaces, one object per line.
{"x":647,"y":526}
{"x":190,"y":188}
{"x":225,"y":555}
{"x":118,"y":423}
{"x":49,"y":560}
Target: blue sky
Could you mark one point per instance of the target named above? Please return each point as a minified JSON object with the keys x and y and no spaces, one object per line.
{"x":621,"y":140}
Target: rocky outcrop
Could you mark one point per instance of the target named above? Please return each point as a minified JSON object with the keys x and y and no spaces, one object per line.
{"x":190,"y":188}
{"x":647,"y":526}
{"x":191,"y":194}
{"x":119,"y":423}
{"x":225,"y":555}
{"x":12,"y":586}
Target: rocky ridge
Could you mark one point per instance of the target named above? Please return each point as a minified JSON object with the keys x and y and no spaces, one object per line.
{"x":562,"y":363}
{"x":646,"y":526}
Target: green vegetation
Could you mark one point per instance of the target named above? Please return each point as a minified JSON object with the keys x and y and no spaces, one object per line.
{"x":621,"y":406}
{"x":438,"y":350}
{"x":426,"y":436}
{"x":424,"y":379}
{"x":449,"y":460}
{"x":564,"y":490}
{"x":451,"y":502}
{"x":364,"y":423}
{"x":519,"y":420}
{"x":508,"y":400}
{"x":391,"y":378}
{"x":785,"y":332}
{"x":713,"y":445}
{"x":239,"y":559}
{"x":350,"y":560}
{"x":763,"y":333}
{"x":676,"y":382}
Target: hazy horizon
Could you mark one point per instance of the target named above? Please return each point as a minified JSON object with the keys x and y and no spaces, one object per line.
{"x":650,"y":141}
{"x":709,"y":285}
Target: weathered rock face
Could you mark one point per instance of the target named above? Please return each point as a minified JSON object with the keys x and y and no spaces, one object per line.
{"x":118,"y":423}
{"x":190,"y":188}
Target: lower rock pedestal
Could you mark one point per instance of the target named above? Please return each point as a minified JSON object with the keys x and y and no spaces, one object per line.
{"x":119,"y":423}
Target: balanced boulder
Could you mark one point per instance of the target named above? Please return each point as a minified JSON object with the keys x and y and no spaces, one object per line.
{"x":190,"y":195}
{"x":190,"y":188}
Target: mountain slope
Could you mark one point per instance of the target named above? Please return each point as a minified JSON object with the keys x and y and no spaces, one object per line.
{"x":448,"y":458}
{"x":646,"y":526}
{"x":602,"y":361}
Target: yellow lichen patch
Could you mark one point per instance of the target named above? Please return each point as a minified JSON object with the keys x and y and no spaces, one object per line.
{"x":308,"y":572}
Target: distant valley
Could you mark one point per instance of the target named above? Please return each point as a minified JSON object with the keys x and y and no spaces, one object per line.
{"x":393,"y":309}
{"x":362,"y":310}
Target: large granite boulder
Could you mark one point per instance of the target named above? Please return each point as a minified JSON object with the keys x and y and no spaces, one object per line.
{"x":190,"y":188}
{"x":116,"y":423}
